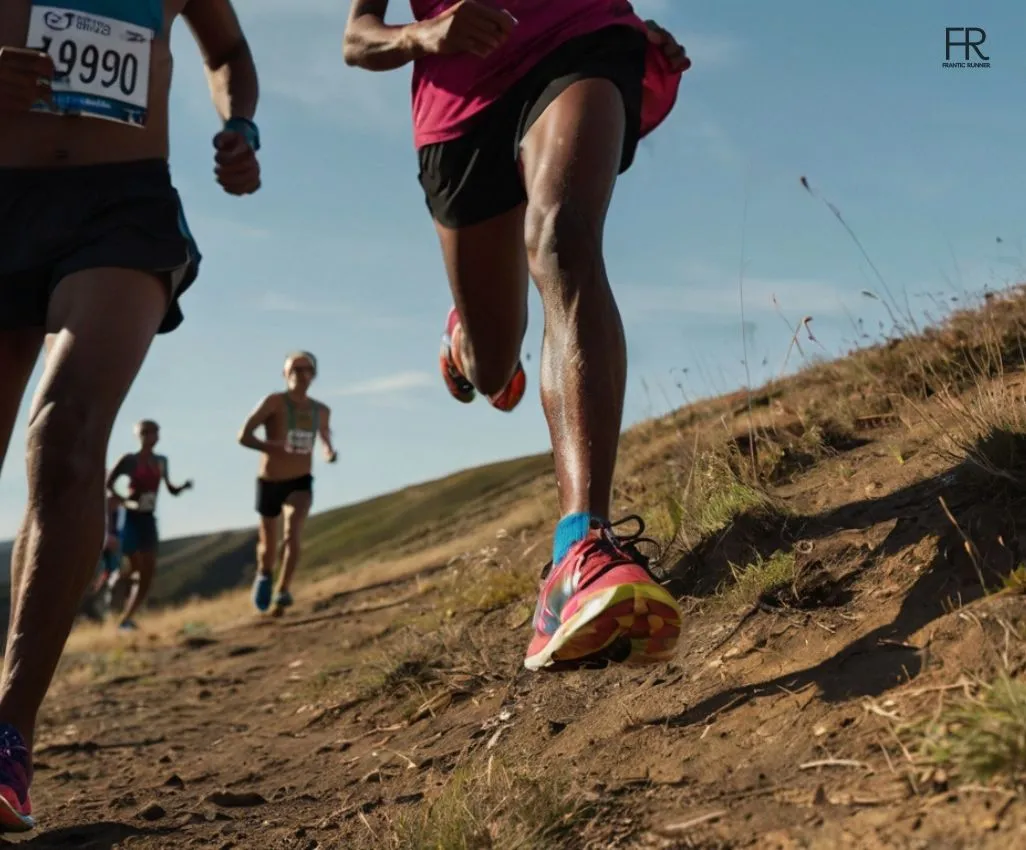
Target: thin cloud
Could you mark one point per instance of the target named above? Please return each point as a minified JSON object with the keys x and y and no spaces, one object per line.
{"x":709,"y":294}
{"x":276,"y":302}
{"x":273,"y":302}
{"x":317,"y":80}
{"x":388,"y":384}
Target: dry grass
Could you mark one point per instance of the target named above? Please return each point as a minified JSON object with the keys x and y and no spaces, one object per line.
{"x":714,"y":496}
{"x":490,"y":806}
{"x":166,"y":626}
{"x":979,"y":736}
{"x":985,"y":430}
{"x":161,"y":627}
{"x":105,"y":665}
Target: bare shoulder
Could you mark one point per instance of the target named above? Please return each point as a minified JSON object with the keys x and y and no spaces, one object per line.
{"x":269,"y":406}
{"x":122,"y":463}
{"x":321,"y":406}
{"x":273,"y":403}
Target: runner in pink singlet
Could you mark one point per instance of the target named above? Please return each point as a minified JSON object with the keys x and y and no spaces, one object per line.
{"x":524,"y":114}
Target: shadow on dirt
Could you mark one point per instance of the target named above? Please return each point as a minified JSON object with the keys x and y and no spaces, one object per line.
{"x":96,"y":836}
{"x":881,"y":659}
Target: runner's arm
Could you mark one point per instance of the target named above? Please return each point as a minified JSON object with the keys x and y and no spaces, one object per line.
{"x":231,"y":73}
{"x":257,"y":418}
{"x":171,"y":488}
{"x":324,"y":431}
{"x":120,"y":468}
{"x":372,"y":44}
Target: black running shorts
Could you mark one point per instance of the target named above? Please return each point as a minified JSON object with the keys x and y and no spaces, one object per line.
{"x":272,"y":495}
{"x":55,"y":222}
{"x":475,"y":177}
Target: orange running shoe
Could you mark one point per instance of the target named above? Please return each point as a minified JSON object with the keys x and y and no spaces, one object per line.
{"x":601,"y":603}
{"x":456,"y":382}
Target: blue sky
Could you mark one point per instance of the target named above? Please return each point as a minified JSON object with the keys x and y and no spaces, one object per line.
{"x":337,"y":253}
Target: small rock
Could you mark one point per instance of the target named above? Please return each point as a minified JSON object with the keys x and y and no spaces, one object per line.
{"x":192,"y":817}
{"x":174,"y":781}
{"x":154,"y":811}
{"x":235,"y":799}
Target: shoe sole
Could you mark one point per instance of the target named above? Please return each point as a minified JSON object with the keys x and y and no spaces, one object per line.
{"x":451,"y":375}
{"x":646,"y":615}
{"x":12,"y":821}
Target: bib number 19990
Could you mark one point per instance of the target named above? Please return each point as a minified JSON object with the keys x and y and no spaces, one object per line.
{"x":102,"y":64}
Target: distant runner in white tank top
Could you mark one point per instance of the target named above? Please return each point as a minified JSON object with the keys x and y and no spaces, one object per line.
{"x":292,"y":422}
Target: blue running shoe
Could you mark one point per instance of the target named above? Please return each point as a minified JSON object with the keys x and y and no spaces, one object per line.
{"x":262,"y":592}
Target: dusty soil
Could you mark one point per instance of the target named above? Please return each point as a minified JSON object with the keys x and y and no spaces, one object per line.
{"x":777,"y":726}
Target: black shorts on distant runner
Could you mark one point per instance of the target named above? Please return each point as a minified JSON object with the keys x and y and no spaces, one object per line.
{"x":55,"y":222}
{"x":272,"y":495}
{"x":475,"y":177}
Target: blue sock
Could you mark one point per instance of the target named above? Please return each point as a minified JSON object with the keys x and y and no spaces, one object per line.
{"x":571,"y":529}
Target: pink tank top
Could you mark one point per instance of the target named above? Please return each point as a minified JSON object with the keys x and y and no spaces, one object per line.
{"x":448,"y":91}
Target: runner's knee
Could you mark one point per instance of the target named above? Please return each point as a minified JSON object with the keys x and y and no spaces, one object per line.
{"x":564,"y":246}
{"x":293,"y":531}
{"x":66,"y":450}
{"x":292,"y":536}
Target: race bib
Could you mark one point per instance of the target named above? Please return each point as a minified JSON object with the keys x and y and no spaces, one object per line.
{"x":299,"y":442}
{"x":102,"y":62}
{"x":147,"y":502}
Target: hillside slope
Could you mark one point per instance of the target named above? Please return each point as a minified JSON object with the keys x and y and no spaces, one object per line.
{"x":206,"y":565}
{"x":847,"y":546}
{"x":342,"y":538}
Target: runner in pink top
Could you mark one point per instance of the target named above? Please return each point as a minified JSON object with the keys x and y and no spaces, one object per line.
{"x":524,"y":114}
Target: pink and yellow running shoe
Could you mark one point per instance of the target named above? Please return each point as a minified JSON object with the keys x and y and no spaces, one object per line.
{"x":15,"y":776}
{"x":602,"y":604}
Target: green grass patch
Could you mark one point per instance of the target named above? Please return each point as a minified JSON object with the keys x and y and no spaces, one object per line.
{"x":761,"y":578}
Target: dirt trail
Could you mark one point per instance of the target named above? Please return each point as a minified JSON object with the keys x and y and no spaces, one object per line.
{"x":399,"y":715}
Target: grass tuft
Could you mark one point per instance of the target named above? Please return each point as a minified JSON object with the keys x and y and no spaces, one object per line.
{"x":491,"y":807}
{"x":760,"y":579}
{"x":981,"y":737}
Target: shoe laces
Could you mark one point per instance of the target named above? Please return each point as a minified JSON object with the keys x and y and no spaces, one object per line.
{"x":627,"y":543}
{"x":621,"y":543}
